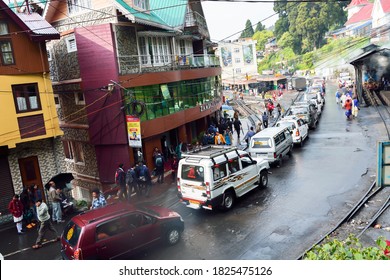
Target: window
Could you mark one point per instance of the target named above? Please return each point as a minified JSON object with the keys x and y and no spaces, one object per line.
{"x":26,"y":98}
{"x":3,"y":28}
{"x":49,"y":56}
{"x":192,"y":172}
{"x":77,"y":6}
{"x":238,"y":70}
{"x":234,"y":165}
{"x":237,"y":50}
{"x":238,"y":60}
{"x":79,"y":98}
{"x":154,"y":50}
{"x":108,"y":229}
{"x":68,"y":149}
{"x":7,"y":56}
{"x":57,"y":100}
{"x":71,"y":43}
{"x":143,"y":4}
{"x":219,"y":171}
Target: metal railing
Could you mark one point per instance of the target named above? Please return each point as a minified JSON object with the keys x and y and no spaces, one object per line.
{"x":134,"y":64}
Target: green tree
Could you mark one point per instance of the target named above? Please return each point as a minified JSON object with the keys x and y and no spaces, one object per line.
{"x":262,"y":37}
{"x":286,"y":41}
{"x":259,"y":27}
{"x":248,"y":31}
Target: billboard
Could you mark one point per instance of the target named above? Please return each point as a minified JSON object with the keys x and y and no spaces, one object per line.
{"x":247,"y":54}
{"x":134,"y":131}
{"x":226,"y":54}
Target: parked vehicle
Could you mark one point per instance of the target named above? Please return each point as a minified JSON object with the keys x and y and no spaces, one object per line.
{"x":307,"y":112}
{"x":117,"y":229}
{"x":215,"y":176}
{"x":271,"y":144}
{"x":300,"y":129}
{"x":299,"y":83}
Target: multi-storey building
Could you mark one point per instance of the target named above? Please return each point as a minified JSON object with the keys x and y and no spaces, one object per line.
{"x":115,"y":59}
{"x":239,"y":62}
{"x":30,"y":149}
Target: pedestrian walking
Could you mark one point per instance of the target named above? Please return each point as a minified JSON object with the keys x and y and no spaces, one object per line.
{"x":237,"y":127}
{"x":45,"y":223}
{"x":228,"y":137}
{"x":258,"y":126}
{"x":120,"y":181}
{"x":144,"y":180}
{"x":98,"y":199}
{"x":348,"y":107}
{"x":159,"y":163}
{"x":15,"y":207}
{"x":355,"y":106}
{"x":131,"y":182}
{"x":249,"y":135}
{"x":174,"y":167}
{"x":338,"y":95}
{"x":54,"y":194}
{"x":265,"y":119}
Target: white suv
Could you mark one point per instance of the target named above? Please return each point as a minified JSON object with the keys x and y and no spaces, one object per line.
{"x":299,"y":128}
{"x":214,"y":176}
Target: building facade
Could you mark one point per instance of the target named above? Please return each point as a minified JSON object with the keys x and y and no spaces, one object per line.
{"x":122,"y":61}
{"x":30,"y":149}
{"x":238,"y":60}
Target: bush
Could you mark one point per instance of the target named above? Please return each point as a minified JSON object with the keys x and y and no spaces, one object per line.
{"x":349,"y":249}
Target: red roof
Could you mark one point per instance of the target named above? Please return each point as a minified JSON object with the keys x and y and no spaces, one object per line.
{"x":363,"y":15}
{"x":357,"y":3}
{"x":385,"y":6}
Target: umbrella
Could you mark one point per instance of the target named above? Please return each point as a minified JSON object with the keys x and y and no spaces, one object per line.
{"x":60,"y":180}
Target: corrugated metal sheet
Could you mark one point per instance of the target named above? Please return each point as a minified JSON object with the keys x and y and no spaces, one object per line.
{"x":37,"y":24}
{"x":167,"y":14}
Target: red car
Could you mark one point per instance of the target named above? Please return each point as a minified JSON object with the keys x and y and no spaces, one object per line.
{"x":118,"y":229}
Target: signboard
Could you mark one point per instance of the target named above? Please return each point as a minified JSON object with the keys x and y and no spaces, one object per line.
{"x":165,"y":91}
{"x":383,"y":168}
{"x":134,"y":131}
{"x":248,"y":54}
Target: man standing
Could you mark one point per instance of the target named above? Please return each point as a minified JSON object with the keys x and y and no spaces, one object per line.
{"x":159,"y":163}
{"x":120,"y":181}
{"x":54,"y":194}
{"x":44,"y":218}
{"x":249,"y":135}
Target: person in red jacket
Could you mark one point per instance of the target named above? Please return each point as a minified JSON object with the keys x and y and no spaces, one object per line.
{"x":16,"y":208}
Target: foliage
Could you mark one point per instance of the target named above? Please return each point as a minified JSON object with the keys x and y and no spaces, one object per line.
{"x":308,"y":22}
{"x":286,"y":41}
{"x":262,"y":37}
{"x":259,"y":27}
{"x":248,"y":31}
{"x":349,"y":249}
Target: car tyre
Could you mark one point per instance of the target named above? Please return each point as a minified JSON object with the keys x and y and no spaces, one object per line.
{"x":228,"y":200}
{"x":173,"y":236}
{"x":263,"y":179}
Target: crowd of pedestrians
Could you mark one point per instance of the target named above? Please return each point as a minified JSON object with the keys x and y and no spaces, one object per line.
{"x":347,"y":100}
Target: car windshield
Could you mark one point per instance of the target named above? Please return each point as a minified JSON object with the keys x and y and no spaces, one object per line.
{"x":72,"y":233}
{"x":286,"y":123}
{"x":261,"y":142}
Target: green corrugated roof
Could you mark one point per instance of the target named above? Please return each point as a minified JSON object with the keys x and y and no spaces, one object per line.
{"x":166,"y":13}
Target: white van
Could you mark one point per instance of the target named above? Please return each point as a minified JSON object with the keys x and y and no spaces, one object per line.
{"x":271,"y":144}
{"x":214,"y":176}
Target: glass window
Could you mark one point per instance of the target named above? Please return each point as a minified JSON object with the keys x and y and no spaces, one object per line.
{"x":219,"y":171}
{"x":3,"y":28}
{"x":76,"y":6}
{"x":78,"y":152}
{"x":79,"y":98}
{"x":246,"y":161}
{"x":233,"y":165}
{"x":68,"y":149}
{"x":143,"y":4}
{"x":72,"y":233}
{"x":26,"y":98}
{"x":192,"y":172}
{"x":7,"y":57}
{"x":110,"y":228}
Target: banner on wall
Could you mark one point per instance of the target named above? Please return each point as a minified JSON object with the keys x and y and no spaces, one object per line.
{"x":248,"y":54}
{"x":134,"y":131}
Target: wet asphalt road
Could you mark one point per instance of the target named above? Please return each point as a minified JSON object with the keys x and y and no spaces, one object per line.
{"x":305,"y":198}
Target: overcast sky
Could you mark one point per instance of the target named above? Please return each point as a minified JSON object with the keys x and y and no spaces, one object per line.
{"x":225,"y":19}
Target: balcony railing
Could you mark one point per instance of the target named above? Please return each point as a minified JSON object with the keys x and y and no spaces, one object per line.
{"x":195,"y":21}
{"x":134,"y":64}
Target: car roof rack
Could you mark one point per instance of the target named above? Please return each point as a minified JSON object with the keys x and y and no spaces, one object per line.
{"x":210,"y":151}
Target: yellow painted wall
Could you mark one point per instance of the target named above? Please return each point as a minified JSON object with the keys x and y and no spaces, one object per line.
{"x":9,"y":129}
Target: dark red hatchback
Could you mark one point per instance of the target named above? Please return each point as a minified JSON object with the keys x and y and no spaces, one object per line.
{"x":118,"y":229}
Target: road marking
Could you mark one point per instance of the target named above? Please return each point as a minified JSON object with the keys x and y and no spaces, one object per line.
{"x":28,"y":248}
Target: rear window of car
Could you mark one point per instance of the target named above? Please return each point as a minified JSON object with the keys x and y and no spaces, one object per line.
{"x":299,"y":110}
{"x":192,"y":172}
{"x":261,"y":142}
{"x":72,"y":233}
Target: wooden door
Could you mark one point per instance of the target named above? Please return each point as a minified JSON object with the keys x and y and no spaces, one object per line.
{"x":29,"y":169}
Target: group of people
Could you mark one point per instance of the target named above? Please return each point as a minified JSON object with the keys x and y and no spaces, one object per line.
{"x":348,"y":101}
{"x":42,"y":216}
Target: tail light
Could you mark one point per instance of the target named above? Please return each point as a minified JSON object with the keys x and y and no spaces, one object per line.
{"x":77,"y":254}
{"x":297,"y":133}
{"x":208,"y":192}
{"x":275,"y":155}
{"x":178,"y":185}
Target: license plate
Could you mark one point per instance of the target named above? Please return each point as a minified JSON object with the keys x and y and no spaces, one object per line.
{"x":194,"y":202}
